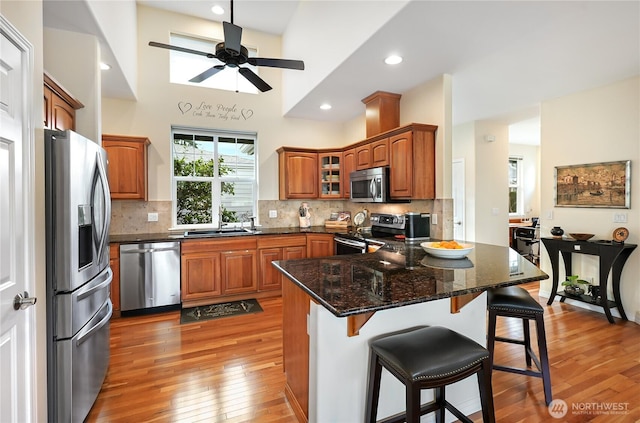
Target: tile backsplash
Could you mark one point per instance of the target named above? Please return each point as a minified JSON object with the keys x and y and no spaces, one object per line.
{"x":130,"y":217}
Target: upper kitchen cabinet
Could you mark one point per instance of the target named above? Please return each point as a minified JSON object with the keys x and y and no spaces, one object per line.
{"x":59,"y":106}
{"x":412,"y":173}
{"x":298,"y":173}
{"x":348,"y":166}
{"x":330,"y":174}
{"x":380,"y":153}
{"x":127,"y":166}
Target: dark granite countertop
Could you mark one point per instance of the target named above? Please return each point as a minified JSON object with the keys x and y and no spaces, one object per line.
{"x":179,"y":235}
{"x":401,"y":274}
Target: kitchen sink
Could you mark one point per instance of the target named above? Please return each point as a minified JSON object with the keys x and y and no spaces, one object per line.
{"x":219,"y":232}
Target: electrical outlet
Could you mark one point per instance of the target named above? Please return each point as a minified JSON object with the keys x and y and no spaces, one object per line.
{"x":620,"y":218}
{"x":152,"y":217}
{"x":434,"y":219}
{"x":273,"y":213}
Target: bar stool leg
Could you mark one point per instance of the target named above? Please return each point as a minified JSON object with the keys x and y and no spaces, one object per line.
{"x":527,"y":341}
{"x":413,"y":403}
{"x":373,"y":390}
{"x":486,"y":392}
{"x":440,"y":400}
{"x":544,"y":358}
{"x":491,"y":338}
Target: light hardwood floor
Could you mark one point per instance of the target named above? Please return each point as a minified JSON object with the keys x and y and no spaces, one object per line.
{"x":230,"y":370}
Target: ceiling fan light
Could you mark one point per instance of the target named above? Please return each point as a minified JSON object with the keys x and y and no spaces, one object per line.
{"x":393,"y":60}
{"x":217,"y":9}
{"x":325,"y":106}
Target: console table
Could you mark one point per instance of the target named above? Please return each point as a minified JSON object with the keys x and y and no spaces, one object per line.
{"x":613,"y":256}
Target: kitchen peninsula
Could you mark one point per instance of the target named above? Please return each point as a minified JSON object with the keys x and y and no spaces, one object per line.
{"x":333,"y":307}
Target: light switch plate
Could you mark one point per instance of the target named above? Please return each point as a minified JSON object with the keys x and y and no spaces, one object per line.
{"x":434,"y":219}
{"x":152,"y":217}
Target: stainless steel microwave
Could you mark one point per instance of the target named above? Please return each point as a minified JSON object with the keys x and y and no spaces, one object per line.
{"x":370,"y":185}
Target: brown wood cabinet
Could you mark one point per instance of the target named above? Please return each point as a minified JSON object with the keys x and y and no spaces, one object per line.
{"x":298,"y":173}
{"x":127,"y":166}
{"x":330,"y":174}
{"x":412,"y":172}
{"x":348,"y":166}
{"x":200,"y":279}
{"x":380,"y":153}
{"x":409,"y":151}
{"x":59,"y":106}
{"x":363,"y":156}
{"x":320,"y":245}
{"x":114,"y":262}
{"x":239,"y":271}
{"x":274,"y":248}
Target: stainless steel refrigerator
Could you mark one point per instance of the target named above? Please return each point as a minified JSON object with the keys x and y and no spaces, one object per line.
{"x":78,"y":213}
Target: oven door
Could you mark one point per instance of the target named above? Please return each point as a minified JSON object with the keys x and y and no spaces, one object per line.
{"x":349,"y":246}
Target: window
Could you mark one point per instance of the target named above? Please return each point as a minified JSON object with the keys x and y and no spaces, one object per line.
{"x":515,"y":186}
{"x":184,"y":66}
{"x":214,"y":174}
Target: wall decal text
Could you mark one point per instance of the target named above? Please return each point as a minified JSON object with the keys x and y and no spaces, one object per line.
{"x":214,"y":111}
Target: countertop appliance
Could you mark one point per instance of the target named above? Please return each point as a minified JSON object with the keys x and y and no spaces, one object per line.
{"x":78,"y":276}
{"x":370,"y":185}
{"x":149,"y":275}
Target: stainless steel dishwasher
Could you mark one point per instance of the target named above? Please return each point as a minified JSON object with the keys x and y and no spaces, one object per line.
{"x":149,"y":275}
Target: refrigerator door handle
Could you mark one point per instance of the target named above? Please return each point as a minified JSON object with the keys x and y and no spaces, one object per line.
{"x":90,"y":290}
{"x":102,"y":234}
{"x":86,"y":333}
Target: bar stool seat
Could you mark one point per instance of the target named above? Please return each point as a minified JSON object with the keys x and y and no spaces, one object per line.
{"x":424,"y":358}
{"x":514,"y":301}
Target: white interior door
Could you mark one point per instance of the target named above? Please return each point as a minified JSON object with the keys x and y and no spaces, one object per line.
{"x":457,"y":188}
{"x":17,"y":327}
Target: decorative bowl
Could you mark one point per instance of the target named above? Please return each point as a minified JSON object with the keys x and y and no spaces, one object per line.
{"x":581,"y":237}
{"x":447,"y":253}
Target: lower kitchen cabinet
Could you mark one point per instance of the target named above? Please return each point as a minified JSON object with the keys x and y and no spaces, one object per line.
{"x":239,"y":271}
{"x":320,"y":245}
{"x":114,"y":262}
{"x":274,"y":248}
{"x":200,"y":277}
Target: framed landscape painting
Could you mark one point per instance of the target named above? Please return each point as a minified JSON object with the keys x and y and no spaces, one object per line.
{"x":594,"y":185}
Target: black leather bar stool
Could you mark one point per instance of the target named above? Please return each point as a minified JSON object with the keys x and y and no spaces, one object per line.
{"x":424,"y":358}
{"x":513,"y":301}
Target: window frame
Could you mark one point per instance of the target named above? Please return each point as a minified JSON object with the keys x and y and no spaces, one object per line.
{"x":518,"y":186}
{"x":216,"y":179}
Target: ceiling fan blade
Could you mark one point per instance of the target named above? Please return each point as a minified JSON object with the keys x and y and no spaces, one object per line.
{"x":207,"y":74}
{"x":182,"y":49}
{"x":232,"y":37}
{"x":254,"y":79}
{"x":276,"y":63}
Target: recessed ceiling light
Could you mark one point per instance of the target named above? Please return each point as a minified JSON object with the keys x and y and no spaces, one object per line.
{"x":217,"y":9}
{"x":104,"y":66}
{"x":325,"y":106}
{"x":393,"y":60}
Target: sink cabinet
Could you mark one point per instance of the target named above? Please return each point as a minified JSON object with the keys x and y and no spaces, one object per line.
{"x":127,"y":166}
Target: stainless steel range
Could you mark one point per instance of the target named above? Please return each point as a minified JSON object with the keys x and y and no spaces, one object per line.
{"x":385,"y":227}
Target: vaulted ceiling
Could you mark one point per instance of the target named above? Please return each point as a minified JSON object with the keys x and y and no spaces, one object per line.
{"x":504,"y":57}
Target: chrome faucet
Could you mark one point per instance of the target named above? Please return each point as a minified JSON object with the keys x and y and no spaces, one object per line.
{"x":220,"y":224}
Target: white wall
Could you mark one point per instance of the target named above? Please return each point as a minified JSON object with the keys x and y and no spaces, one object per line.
{"x":431,"y":103}
{"x":73,"y":60}
{"x":161,"y":104}
{"x":593,"y":126}
{"x":463,"y":147}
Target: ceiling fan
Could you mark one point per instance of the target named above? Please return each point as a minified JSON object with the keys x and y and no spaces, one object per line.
{"x":231,"y":53}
